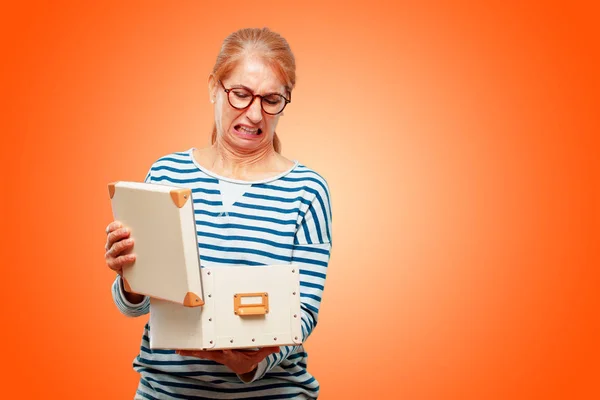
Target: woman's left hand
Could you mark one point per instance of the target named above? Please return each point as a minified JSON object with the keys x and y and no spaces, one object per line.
{"x":239,"y":361}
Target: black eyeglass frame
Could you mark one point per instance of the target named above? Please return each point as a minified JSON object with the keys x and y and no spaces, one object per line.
{"x":254,"y":96}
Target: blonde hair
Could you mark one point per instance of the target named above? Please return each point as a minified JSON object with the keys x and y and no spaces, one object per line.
{"x":270,"y":46}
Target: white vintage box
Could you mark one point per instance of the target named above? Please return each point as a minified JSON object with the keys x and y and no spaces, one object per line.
{"x":193,"y":308}
{"x":161,"y":220}
{"x":244,"y":307}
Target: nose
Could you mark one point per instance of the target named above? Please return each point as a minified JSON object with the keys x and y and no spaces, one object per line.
{"x":254,"y":111}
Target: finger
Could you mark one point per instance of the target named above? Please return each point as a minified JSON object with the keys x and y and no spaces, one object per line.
{"x":269,"y":350}
{"x":117,"y":264}
{"x":115,"y":236}
{"x":113,"y":266}
{"x":248,"y":352}
{"x":218,"y":356}
{"x":214,"y":355}
{"x":112,"y":226}
{"x":196,"y":353}
{"x":256,"y":356}
{"x":264,"y":352}
{"x":118,"y":234}
{"x":120,"y":247}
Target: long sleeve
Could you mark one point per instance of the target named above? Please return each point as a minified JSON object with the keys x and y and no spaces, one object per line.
{"x":311,"y":252}
{"x":123,"y":305}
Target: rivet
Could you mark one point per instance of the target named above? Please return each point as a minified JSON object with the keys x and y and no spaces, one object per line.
{"x":208,"y":272}
{"x":293,"y":270}
{"x":296,"y":338}
{"x":185,"y":196}
{"x":231,"y":341}
{"x":210,"y":295}
{"x":292,"y":293}
{"x":253,"y":339}
{"x":210,"y":319}
{"x":274,"y":338}
{"x":235,"y":295}
{"x":295,"y":316}
{"x":210,"y":342}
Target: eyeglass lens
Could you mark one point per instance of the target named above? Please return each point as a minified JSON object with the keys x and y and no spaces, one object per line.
{"x":241,"y":98}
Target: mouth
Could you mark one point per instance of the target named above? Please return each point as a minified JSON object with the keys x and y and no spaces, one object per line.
{"x":246,"y":130}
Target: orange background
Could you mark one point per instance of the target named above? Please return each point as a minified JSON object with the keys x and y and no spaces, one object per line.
{"x":458,"y":142}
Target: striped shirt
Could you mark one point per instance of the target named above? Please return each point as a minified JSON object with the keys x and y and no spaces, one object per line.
{"x":284,"y":219}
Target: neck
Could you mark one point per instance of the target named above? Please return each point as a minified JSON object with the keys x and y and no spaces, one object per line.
{"x":238,"y":163}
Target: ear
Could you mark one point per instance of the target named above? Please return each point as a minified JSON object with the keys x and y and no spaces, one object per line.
{"x":212,"y":88}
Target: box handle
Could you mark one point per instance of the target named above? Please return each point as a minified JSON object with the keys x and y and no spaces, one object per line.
{"x":250,"y":304}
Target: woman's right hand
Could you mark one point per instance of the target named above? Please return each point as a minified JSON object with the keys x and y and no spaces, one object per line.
{"x":118,"y":246}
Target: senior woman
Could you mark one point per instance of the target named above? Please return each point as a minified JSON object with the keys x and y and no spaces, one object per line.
{"x":253,"y":207}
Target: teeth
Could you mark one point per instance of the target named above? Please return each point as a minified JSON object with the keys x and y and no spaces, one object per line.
{"x":251,"y":131}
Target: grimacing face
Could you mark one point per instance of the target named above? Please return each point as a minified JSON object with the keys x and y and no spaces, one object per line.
{"x":248,"y":129}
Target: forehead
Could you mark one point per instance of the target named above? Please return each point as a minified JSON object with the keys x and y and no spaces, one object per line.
{"x":256,"y":74}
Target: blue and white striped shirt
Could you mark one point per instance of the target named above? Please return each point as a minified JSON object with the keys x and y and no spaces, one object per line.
{"x":284,"y":219}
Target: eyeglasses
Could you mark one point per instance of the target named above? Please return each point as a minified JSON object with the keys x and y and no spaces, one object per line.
{"x":241,"y":98}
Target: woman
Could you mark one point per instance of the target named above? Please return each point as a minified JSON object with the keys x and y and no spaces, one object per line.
{"x":253,"y":207}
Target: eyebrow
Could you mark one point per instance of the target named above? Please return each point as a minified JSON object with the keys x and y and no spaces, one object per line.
{"x":250,"y":90}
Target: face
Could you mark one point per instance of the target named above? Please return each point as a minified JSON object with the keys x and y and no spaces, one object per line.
{"x":251,"y":128}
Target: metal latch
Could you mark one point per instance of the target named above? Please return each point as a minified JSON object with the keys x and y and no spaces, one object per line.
{"x":250,"y":304}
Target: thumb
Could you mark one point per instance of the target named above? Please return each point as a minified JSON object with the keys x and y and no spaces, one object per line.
{"x":227,"y":352}
{"x":269,"y":350}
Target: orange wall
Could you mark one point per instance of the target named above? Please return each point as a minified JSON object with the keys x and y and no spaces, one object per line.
{"x":457,"y":142}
